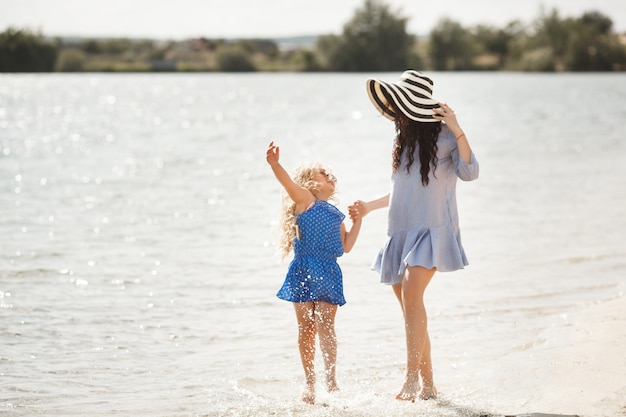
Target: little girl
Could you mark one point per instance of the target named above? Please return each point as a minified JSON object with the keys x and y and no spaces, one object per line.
{"x":314,"y":229}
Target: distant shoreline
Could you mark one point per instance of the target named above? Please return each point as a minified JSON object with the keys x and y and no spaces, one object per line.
{"x":550,"y":43}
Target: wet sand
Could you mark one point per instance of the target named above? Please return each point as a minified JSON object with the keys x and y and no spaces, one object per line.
{"x":586,"y":376}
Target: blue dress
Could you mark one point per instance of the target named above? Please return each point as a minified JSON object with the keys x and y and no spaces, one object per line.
{"x":314,"y":274}
{"x":423,"y":227}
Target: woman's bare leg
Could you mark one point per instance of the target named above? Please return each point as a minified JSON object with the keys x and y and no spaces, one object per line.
{"x":306,"y":344}
{"x":325,"y":321}
{"x":411,"y":296}
{"x":428,"y":391}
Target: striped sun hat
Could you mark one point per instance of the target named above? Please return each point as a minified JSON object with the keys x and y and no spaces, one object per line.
{"x":412,"y":95}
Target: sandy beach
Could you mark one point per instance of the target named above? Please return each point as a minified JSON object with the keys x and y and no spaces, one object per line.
{"x":586,"y":375}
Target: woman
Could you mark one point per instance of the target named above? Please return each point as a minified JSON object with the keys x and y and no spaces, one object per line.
{"x":423,"y":225}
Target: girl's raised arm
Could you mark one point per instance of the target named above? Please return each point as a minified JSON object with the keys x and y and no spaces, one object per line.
{"x":300,"y":195}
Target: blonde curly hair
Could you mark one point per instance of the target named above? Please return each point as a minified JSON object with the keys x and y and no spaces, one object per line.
{"x":303,"y":176}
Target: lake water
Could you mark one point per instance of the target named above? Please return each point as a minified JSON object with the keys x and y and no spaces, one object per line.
{"x":138,"y":224}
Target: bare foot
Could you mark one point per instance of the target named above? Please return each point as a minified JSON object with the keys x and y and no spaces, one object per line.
{"x":409,"y":391}
{"x":428,"y":393}
{"x":308,"y":395}
{"x":331,"y":385}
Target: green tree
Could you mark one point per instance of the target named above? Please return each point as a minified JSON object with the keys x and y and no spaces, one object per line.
{"x":234,"y":58}
{"x":375,"y":39}
{"x":543,"y":47}
{"x":91,"y":46}
{"x":497,"y":41}
{"x":573,"y":44}
{"x":552,"y":32}
{"x":71,"y":60}
{"x":451,"y":47}
{"x":25,"y":51}
{"x":592,"y":46}
{"x":116,"y":46}
{"x":329,"y":47}
{"x":306,"y":60}
{"x":418,"y":56}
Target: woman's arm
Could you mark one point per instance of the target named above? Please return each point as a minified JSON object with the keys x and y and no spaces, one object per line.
{"x":446,"y":114}
{"x":360,"y":209}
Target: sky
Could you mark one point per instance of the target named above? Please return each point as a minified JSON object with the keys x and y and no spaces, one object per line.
{"x":183,"y":19}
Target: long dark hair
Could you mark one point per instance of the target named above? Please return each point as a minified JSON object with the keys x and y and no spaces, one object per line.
{"x":410,"y":134}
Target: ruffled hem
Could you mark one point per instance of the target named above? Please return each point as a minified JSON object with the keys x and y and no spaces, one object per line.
{"x":434,"y":247}
{"x":313,"y":279}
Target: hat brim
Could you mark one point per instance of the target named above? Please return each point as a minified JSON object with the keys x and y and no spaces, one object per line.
{"x":415,"y":108}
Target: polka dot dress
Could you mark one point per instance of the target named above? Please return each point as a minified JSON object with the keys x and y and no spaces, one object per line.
{"x":314,"y":274}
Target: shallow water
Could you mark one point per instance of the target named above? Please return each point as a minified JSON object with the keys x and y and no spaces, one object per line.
{"x":138,"y":222}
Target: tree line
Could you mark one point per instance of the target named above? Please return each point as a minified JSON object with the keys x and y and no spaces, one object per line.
{"x":374,"y":39}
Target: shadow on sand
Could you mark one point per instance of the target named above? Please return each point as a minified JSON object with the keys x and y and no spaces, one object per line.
{"x":470,"y":412}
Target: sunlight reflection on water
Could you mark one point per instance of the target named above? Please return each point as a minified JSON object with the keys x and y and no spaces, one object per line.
{"x":139,"y":264}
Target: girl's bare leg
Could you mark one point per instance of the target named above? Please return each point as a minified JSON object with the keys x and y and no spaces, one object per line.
{"x":306,"y":344}
{"x":325,"y":321}
{"x":411,"y":296}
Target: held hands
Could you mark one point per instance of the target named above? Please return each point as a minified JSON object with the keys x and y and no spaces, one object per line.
{"x":273,"y":154}
{"x":357,"y":210}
